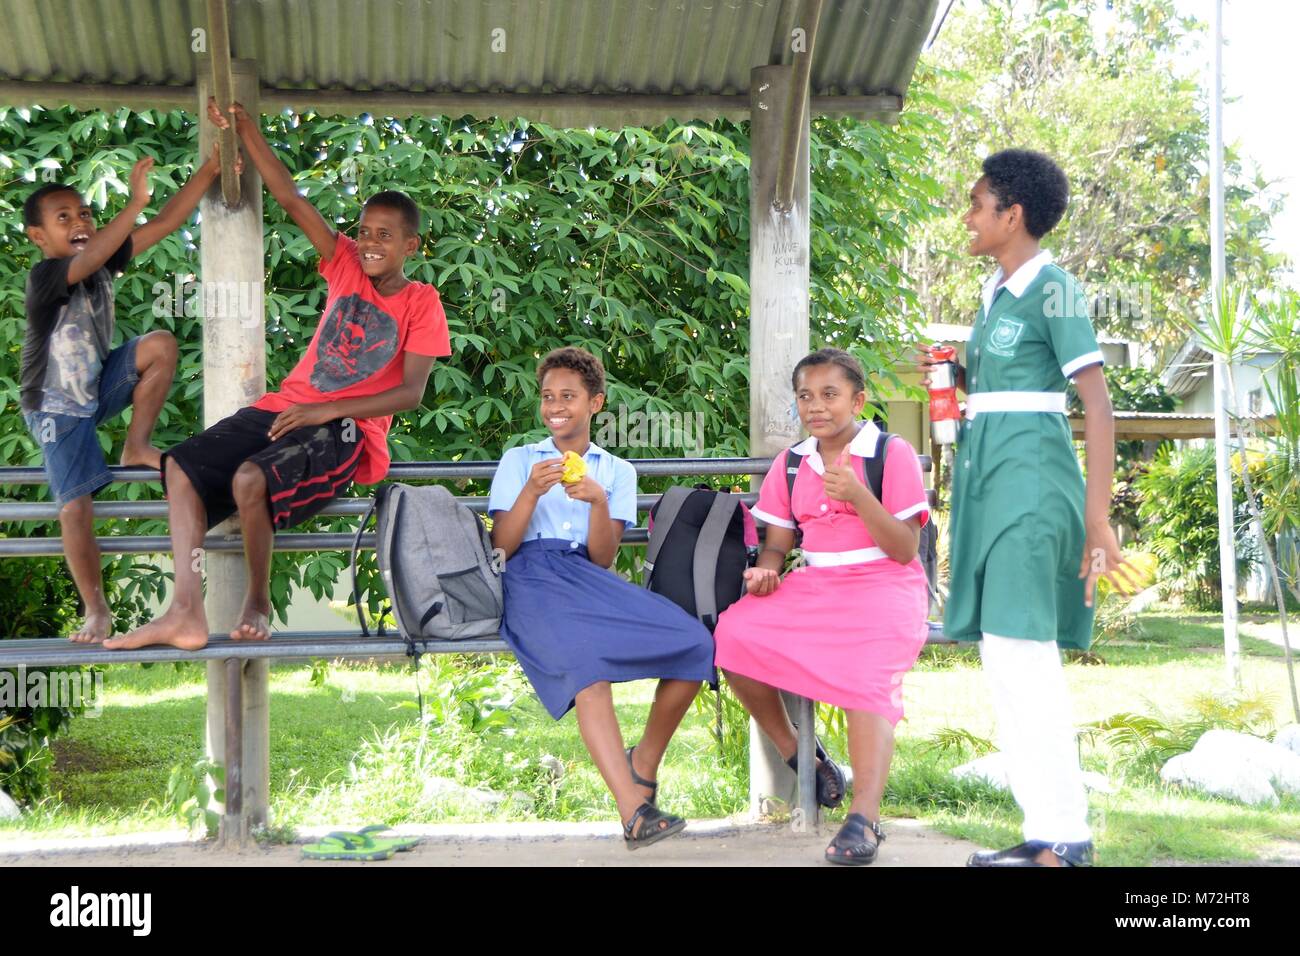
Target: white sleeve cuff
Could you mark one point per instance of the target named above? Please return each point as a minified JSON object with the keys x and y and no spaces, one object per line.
{"x":1092,"y":358}
{"x":915,"y":509}
{"x":766,"y":518}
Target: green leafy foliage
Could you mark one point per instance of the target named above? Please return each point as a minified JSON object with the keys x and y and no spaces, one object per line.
{"x":1122,"y":110}
{"x":632,"y":243}
{"x":1179,"y":507}
{"x":1134,"y":389}
{"x":730,"y":724}
{"x":24,"y":760}
{"x":36,"y":598}
{"x":1141,"y":743}
{"x":190,"y":796}
{"x":958,"y":741}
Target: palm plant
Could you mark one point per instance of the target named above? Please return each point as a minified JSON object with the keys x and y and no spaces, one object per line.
{"x":1234,"y":329}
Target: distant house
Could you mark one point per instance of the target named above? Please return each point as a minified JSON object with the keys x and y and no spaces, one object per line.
{"x":1189,"y":377}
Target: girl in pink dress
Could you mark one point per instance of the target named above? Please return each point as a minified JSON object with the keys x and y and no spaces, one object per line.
{"x":845,"y":628}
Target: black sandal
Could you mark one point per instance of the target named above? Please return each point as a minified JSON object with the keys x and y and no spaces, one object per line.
{"x":830,"y":778}
{"x":652,"y":830}
{"x":641,"y":781}
{"x":852,"y":844}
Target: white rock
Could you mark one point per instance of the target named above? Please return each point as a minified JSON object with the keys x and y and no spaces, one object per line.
{"x":1230,"y":748}
{"x":1238,"y":766}
{"x":1143,"y":600}
{"x":1097,"y":782}
{"x":1289,"y":737}
{"x":990,"y":769}
{"x":8,"y":809}
{"x":1240,"y":782}
{"x":521,"y":801}
{"x":444,"y":791}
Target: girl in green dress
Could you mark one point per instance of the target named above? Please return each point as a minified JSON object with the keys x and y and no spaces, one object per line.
{"x":1028,"y":540}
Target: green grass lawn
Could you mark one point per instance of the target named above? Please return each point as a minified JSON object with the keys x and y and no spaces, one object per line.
{"x":348,"y":749}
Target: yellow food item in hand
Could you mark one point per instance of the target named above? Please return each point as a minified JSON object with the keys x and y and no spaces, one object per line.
{"x":575,"y":468}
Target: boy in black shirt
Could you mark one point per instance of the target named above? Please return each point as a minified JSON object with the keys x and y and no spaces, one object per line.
{"x":71,"y":380}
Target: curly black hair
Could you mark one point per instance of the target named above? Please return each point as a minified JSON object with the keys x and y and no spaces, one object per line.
{"x":32,"y":211}
{"x":847,"y":364}
{"x":401,"y":204}
{"x":1034,"y":181}
{"x":588,"y":367}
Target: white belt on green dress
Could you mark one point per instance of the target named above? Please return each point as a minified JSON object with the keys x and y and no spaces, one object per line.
{"x":982,"y":402}
{"x":826,"y":559}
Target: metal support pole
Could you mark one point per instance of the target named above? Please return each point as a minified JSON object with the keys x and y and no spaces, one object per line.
{"x":808,"y":809}
{"x":234,"y":828}
{"x":1222,"y":435}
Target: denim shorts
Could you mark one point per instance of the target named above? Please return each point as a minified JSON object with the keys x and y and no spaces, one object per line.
{"x":74,"y":462}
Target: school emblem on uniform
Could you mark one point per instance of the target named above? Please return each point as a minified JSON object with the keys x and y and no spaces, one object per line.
{"x":1006,"y":335}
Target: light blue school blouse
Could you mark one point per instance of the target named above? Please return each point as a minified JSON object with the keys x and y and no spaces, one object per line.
{"x":557,"y":515}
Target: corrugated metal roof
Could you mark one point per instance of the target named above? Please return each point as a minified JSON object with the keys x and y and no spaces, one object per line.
{"x":1185,"y":371}
{"x":1121,"y":415}
{"x":680,"y":48}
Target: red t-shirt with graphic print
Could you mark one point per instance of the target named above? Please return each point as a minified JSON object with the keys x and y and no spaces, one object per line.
{"x":358,"y":348}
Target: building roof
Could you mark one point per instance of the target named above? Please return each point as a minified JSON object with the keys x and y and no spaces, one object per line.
{"x":569,"y":62}
{"x":1184,"y":372}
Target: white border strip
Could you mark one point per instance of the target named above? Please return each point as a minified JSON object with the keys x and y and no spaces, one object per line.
{"x":915,"y":509}
{"x":771,"y":519}
{"x":1092,"y":358}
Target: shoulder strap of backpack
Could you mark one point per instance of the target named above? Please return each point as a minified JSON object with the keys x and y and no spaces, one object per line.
{"x":708,"y":547}
{"x":792,"y":463}
{"x":670,"y":503}
{"x":873,"y":468}
{"x":356,"y":550}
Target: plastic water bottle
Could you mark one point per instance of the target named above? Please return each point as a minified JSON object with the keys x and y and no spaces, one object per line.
{"x":944,"y":413}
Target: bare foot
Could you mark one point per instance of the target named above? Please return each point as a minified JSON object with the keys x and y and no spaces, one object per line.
{"x":95,"y":628}
{"x":254,"y":623}
{"x":145,"y":455}
{"x":185,"y":629}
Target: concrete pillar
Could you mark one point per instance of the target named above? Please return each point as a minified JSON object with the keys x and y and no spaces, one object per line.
{"x":234,"y":375}
{"x":778,"y":330}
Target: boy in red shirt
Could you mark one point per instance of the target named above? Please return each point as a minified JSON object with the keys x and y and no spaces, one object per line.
{"x":281,"y":460}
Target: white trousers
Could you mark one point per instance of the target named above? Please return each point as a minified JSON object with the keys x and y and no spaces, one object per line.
{"x":1036,"y":734}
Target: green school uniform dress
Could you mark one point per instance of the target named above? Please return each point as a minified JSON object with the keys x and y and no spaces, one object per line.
{"x":1017,"y":531}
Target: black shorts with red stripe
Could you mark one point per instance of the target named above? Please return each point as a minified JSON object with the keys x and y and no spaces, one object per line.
{"x":304,"y":469}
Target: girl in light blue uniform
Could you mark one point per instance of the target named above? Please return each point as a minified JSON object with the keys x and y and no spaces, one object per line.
{"x":575,"y":626}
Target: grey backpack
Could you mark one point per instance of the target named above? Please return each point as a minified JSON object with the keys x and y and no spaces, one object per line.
{"x":436,"y":560}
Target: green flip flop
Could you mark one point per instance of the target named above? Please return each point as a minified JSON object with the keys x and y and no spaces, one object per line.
{"x":341,"y":845}
{"x":399,"y":843}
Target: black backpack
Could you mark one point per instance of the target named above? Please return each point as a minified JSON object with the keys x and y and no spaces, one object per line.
{"x":873,"y":475}
{"x":698,"y":550}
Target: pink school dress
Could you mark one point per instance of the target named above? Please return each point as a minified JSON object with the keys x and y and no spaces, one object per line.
{"x":848,"y":626}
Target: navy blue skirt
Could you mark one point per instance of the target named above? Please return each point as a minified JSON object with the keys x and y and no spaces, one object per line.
{"x":573,"y":624}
